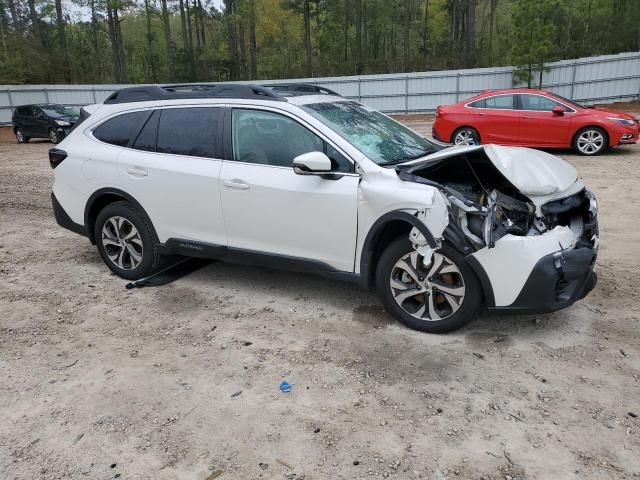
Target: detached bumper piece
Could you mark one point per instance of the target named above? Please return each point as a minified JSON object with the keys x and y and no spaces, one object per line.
{"x":557,"y":281}
{"x":63,"y":219}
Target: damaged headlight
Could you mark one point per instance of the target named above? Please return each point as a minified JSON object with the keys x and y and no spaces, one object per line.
{"x":506,"y":215}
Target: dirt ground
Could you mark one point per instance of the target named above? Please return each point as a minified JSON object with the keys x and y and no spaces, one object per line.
{"x":181,"y":381}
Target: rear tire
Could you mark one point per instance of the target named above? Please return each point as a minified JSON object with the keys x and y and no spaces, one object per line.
{"x":465,"y":136}
{"x":126,"y":241}
{"x":440,"y":298}
{"x":590,"y":141}
{"x":20,"y":136}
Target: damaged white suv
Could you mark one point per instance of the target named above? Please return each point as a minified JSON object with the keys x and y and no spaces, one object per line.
{"x":297,"y":177}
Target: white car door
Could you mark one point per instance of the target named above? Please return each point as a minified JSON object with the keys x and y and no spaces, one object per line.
{"x":268,"y":208}
{"x":172,"y":168}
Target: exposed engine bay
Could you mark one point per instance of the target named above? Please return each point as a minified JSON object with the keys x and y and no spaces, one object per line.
{"x":486,"y":206}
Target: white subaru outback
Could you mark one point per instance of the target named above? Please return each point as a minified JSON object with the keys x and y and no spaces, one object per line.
{"x":298,"y":177}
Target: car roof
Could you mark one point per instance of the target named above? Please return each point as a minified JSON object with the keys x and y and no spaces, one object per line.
{"x":514,"y":90}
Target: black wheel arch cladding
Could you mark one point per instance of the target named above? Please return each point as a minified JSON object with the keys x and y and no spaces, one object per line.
{"x":103,"y":197}
{"x":369,"y":247}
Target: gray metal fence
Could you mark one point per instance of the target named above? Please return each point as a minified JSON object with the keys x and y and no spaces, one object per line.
{"x":602,"y":79}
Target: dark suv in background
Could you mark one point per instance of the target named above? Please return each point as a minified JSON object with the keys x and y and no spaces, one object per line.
{"x":43,"y":121}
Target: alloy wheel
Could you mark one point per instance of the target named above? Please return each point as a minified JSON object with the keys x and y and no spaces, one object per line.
{"x":122,"y":243}
{"x":53,"y":135}
{"x":429,"y":293}
{"x":466,"y":136}
{"x":590,"y":142}
{"x":20,"y":135}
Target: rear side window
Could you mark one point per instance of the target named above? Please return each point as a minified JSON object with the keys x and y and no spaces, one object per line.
{"x":478,"y":104}
{"x":188,"y":131}
{"x":501,"y":102}
{"x":149,"y":134}
{"x":121,"y":129}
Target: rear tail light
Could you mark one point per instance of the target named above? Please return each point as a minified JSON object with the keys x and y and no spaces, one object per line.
{"x":56,"y":156}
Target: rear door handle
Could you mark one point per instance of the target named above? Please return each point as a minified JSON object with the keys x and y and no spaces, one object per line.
{"x":239,"y":184}
{"x":525,"y":116}
{"x":483,"y":114}
{"x":137,"y":172}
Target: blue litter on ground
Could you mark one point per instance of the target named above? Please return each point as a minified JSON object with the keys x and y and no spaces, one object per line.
{"x":285,"y":387}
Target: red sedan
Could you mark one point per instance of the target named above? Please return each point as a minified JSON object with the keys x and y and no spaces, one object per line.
{"x":533,"y":118}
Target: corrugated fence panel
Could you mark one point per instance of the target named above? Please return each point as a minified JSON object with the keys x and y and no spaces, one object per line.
{"x":602,"y":79}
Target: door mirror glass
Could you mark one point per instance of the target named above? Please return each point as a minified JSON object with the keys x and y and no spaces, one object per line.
{"x":558,"y":110}
{"x":312,"y":163}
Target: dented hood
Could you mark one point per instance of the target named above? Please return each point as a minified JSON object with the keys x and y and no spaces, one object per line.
{"x":533,"y":172}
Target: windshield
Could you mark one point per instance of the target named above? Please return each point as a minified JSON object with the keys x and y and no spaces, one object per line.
{"x":59,"y":111}
{"x":381,"y":139}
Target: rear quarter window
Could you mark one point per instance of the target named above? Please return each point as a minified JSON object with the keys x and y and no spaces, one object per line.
{"x":122,"y":129}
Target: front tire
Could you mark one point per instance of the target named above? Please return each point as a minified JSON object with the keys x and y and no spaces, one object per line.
{"x":590,"y":141}
{"x":126,"y":241}
{"x":53,"y":136}
{"x":440,"y":298}
{"x":465,"y":136}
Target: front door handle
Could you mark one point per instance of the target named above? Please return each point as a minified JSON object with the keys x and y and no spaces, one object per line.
{"x":525,"y":116}
{"x":239,"y":184}
{"x":137,"y":172}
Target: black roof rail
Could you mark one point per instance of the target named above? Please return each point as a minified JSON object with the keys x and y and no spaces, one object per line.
{"x":301,"y":89}
{"x":145,"y":93}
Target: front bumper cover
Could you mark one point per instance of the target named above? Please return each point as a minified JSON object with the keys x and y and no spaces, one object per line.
{"x":557,"y":281}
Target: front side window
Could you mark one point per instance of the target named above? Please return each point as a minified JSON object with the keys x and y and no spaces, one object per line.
{"x":188,"y":131}
{"x":269,"y":138}
{"x":500,"y":102}
{"x":122,"y":129}
{"x":537,"y":103}
{"x":380,"y":138}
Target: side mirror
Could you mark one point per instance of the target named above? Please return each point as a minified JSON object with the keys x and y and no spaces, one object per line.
{"x":558,"y":110}
{"x":312,"y":163}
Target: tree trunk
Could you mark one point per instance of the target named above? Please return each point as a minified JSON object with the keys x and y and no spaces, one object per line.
{"x":492,"y":14}
{"x":33,"y":15}
{"x":3,"y":35}
{"x":190,"y":42}
{"x":15,"y":21}
{"x":405,"y":36}
{"x":183,"y":22}
{"x":346,"y":31}
{"x":307,"y":37}
{"x":425,"y":35}
{"x":242,"y":50}
{"x":151,"y":54}
{"x":229,"y":11}
{"x":62,"y":38}
{"x":252,"y":41}
{"x":202,"y":30}
{"x":117,"y":47}
{"x":167,"y":39}
{"x":471,"y":33}
{"x":358,"y":21}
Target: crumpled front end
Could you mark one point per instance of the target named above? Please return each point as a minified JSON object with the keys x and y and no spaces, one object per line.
{"x":533,"y":251}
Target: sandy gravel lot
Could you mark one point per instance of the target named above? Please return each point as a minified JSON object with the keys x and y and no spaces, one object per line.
{"x":181,"y":381}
